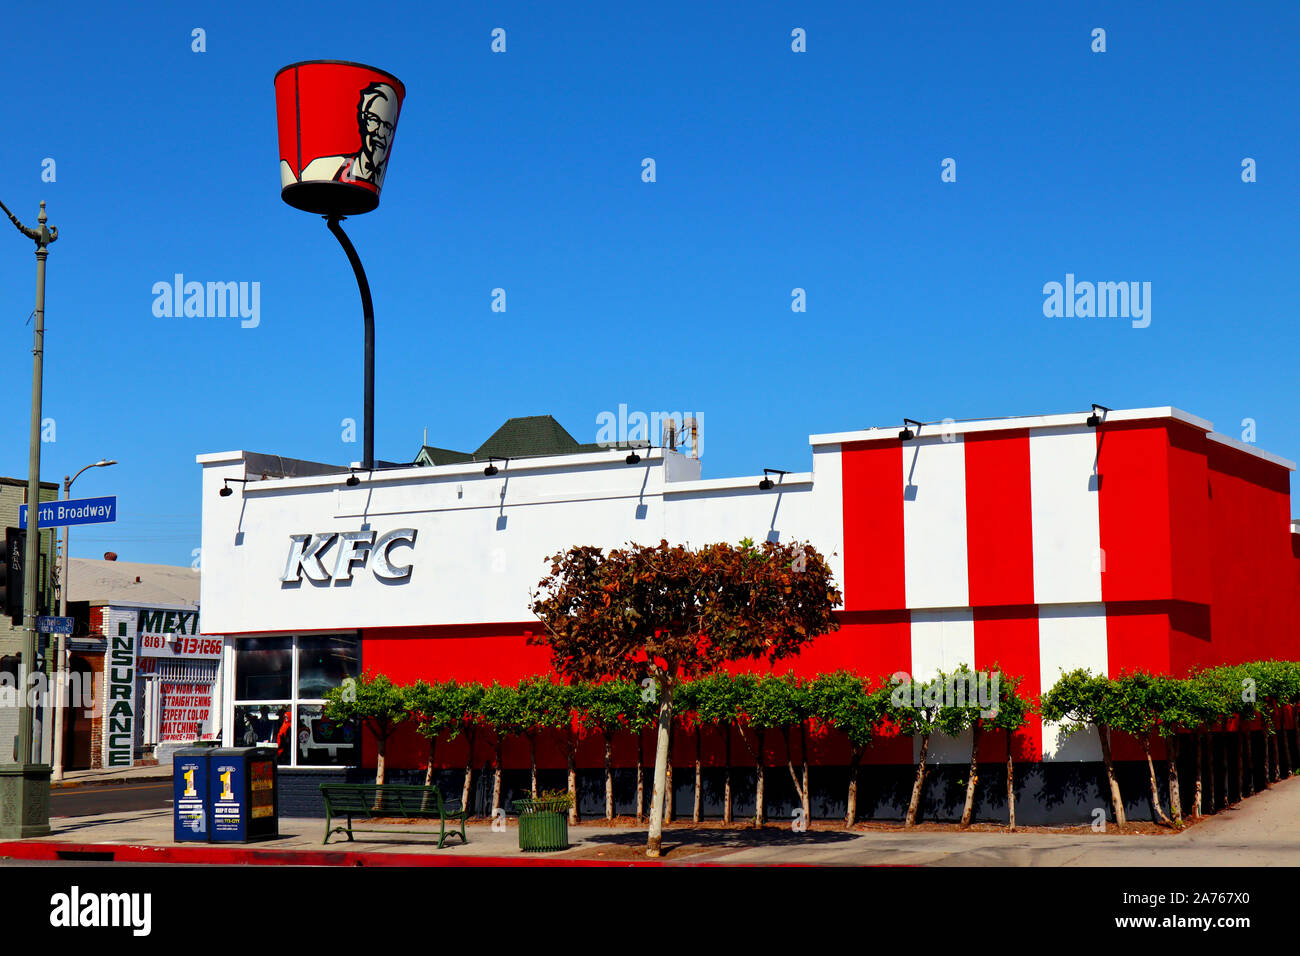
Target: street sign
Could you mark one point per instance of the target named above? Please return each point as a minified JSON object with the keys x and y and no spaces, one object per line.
{"x":75,"y":511}
{"x":54,"y":625}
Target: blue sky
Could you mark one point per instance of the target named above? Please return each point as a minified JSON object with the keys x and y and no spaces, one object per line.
{"x":775,"y":170}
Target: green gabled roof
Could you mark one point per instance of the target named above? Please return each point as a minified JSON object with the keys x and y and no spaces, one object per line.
{"x":528,"y":437}
{"x":431,"y":455}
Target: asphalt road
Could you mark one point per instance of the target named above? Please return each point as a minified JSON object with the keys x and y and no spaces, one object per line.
{"x":91,"y":800}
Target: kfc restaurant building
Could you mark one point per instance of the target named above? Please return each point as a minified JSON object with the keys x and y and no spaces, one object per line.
{"x":1042,"y":544}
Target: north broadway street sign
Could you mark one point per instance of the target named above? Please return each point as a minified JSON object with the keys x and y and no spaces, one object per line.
{"x":75,"y":511}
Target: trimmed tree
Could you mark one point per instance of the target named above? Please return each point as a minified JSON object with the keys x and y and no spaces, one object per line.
{"x":1012,"y":713}
{"x":716,"y":701}
{"x":437,"y":709}
{"x":676,"y":613}
{"x":846,"y":703}
{"x":915,"y":706}
{"x":539,"y":709}
{"x":374,"y":702}
{"x":1141,"y":700}
{"x":608,"y":706}
{"x":1080,"y":699}
{"x":498,"y":710}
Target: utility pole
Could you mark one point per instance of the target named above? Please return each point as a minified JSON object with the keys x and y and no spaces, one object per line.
{"x":25,"y":788}
{"x":60,"y":672}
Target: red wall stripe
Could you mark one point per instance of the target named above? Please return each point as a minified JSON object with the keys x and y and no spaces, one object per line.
{"x":999,"y":519}
{"x":873,"y":526}
{"x":1132,"y":465}
{"x":1008,"y":638}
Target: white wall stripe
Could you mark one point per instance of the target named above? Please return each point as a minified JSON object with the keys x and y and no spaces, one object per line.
{"x":1070,"y":637}
{"x":942,"y":641}
{"x":1067,"y":531}
{"x":934,"y":523}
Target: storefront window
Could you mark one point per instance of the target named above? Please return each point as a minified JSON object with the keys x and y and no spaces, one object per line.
{"x":324,"y":662}
{"x":268,"y":714}
{"x":323,"y":742}
{"x":262,"y":668}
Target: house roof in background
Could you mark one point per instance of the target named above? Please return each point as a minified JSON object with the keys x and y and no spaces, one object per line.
{"x":528,"y":436}
{"x":114,"y":582}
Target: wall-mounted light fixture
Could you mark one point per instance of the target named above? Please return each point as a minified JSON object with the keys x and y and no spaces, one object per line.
{"x":226,"y":491}
{"x":766,"y":484}
{"x":907,"y":433}
{"x":492,"y":469}
{"x":1094,"y":419}
{"x":632,"y":456}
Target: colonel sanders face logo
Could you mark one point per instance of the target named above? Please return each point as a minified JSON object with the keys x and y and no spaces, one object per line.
{"x":376,"y":116}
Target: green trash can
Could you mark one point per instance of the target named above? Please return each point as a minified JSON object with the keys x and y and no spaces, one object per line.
{"x":543,"y":823}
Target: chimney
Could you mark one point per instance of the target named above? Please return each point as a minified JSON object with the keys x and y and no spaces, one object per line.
{"x":110,"y":555}
{"x":670,"y":433}
{"x":692,"y":430}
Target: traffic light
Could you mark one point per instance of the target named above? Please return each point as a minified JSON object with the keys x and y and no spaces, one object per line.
{"x":15,"y":541}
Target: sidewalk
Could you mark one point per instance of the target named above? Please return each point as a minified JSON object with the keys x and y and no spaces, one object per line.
{"x":1262,"y":831}
{"x":83,"y":778}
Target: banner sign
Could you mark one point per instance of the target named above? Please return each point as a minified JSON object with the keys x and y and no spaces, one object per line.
{"x":74,"y":511}
{"x":186,"y":710}
{"x":175,"y":634}
{"x":120,"y":704}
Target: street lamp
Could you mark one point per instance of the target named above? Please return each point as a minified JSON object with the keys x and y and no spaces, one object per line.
{"x":60,"y":671}
{"x":25,"y":787}
{"x":336,"y":122}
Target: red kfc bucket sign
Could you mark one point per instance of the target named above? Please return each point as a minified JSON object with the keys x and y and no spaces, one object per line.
{"x":336,"y":123}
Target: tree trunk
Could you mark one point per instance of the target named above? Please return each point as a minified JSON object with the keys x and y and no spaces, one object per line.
{"x":1175,"y":795}
{"x":609,"y":777}
{"x":428,"y":774}
{"x":803,"y":758}
{"x":469,"y":771}
{"x":1199,"y":741}
{"x":668,"y":781}
{"x":1011,"y":786}
{"x":699,"y":782}
{"x":381,"y":748}
{"x":640,"y":776}
{"x":760,"y":798}
{"x":855,"y":771}
{"x":1271,"y":758}
{"x":973,"y":777}
{"x":726,"y":776}
{"x":1116,"y":801}
{"x":1281,"y":747}
{"x":570,"y":754}
{"x":1156,"y":805}
{"x":655,"y":838}
{"x":1245,"y":765}
{"x":532,"y":759}
{"x":496,"y":780}
{"x":915,"y":803}
{"x":800,"y":791}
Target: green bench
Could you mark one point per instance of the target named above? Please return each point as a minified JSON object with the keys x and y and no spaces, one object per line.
{"x":374,"y":803}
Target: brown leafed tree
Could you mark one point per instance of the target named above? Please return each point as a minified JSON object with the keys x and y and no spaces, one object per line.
{"x":674,"y":613}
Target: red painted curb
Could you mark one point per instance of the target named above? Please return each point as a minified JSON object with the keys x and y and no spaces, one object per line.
{"x":251,"y":855}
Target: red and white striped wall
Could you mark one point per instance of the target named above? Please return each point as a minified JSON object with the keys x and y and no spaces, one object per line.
{"x":1047,"y":544}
